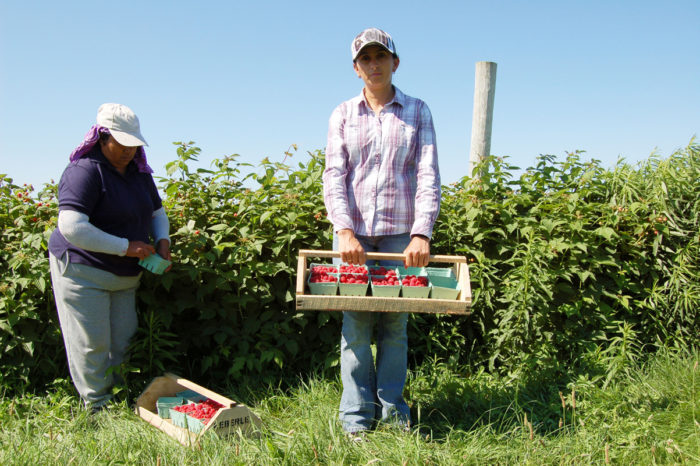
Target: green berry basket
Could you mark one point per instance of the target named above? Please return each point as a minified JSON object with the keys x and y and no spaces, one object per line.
{"x":417,"y":271}
{"x":384,"y":291}
{"x":364,"y":268}
{"x":191,"y":396}
{"x":194,"y":425}
{"x":353,"y":289}
{"x":323,"y":288}
{"x":164,"y":403}
{"x":312,"y":266}
{"x":440,"y":272}
{"x":414,"y":291}
{"x":179,"y":419}
{"x":375,"y":268}
{"x":444,"y":288}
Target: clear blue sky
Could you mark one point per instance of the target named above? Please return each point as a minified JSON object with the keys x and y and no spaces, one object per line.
{"x":613,"y":78}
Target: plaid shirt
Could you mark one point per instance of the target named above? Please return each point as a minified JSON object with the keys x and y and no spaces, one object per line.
{"x":382,"y":175}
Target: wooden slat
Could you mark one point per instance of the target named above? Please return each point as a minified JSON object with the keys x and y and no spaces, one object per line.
{"x":184,"y":436}
{"x":301,"y":275}
{"x":464,"y":283}
{"x":310,"y":302}
{"x":201,"y":390}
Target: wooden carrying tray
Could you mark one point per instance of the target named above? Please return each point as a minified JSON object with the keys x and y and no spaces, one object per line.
{"x":309,"y":302}
{"x":229,"y":420}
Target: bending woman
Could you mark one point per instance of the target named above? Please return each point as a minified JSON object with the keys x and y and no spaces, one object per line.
{"x":108,"y":207}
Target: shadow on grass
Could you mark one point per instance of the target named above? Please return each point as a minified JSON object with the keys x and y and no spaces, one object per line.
{"x":444,"y":400}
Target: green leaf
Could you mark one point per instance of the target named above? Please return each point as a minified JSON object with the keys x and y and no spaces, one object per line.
{"x":265,"y":216}
{"x":605,"y":232}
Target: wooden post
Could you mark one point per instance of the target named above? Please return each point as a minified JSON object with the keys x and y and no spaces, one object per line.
{"x":482,"y":119}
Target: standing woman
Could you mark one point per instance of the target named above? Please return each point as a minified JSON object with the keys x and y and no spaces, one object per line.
{"x":381,"y":188}
{"x":108,"y":205}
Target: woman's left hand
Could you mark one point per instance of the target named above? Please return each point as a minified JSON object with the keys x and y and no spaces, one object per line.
{"x":163,"y":250}
{"x":417,"y":252}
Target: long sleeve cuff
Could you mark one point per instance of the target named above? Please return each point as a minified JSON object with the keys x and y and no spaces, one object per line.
{"x":423,"y":226}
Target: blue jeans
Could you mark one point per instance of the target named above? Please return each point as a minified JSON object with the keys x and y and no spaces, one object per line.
{"x":374,"y":390}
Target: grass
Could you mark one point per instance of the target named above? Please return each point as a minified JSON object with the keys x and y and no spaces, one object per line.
{"x":647,"y":415}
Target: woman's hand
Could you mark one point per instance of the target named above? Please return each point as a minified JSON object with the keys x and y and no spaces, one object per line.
{"x":417,"y":252}
{"x":139,"y":249}
{"x":163,"y":249}
{"x":351,"y":251}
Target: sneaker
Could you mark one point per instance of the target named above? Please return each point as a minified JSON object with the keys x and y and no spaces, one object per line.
{"x":357,"y":437}
{"x":95,"y":409}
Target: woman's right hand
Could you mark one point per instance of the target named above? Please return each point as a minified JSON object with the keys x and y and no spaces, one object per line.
{"x":139,"y":249}
{"x":351,"y":251}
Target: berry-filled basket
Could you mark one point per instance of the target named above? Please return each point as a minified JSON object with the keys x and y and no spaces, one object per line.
{"x":228,"y":419}
{"x":385,"y":282}
{"x":414,"y":286}
{"x":323,"y":279}
{"x":379,"y":302}
{"x":353,"y":284}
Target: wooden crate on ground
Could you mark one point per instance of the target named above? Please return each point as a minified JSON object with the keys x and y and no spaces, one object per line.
{"x":305,"y":301}
{"x":229,"y":420}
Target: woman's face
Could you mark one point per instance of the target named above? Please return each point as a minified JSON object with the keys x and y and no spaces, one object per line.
{"x":375,"y":65}
{"x":119,"y":156}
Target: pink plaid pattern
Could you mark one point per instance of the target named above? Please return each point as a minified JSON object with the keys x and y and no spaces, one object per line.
{"x":382,"y":175}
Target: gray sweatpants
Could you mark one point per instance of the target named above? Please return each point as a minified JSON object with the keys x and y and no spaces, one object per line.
{"x":97,"y":313}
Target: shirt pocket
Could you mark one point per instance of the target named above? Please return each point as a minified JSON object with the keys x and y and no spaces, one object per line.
{"x":404,"y":135}
{"x":358,"y":143}
{"x":402,"y":140}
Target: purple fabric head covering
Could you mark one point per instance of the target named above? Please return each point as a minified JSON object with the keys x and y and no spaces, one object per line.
{"x":91,"y":139}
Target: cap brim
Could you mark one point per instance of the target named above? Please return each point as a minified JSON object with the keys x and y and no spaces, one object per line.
{"x":128,"y":140}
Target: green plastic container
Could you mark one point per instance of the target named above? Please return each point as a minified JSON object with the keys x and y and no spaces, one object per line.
{"x":373,"y":268}
{"x":417,"y":271}
{"x":311,"y":267}
{"x":444,"y":288}
{"x":414,"y":291}
{"x":364,"y":267}
{"x":164,"y":403}
{"x":191,"y":396}
{"x":440,"y":272}
{"x":154,"y":263}
{"x":179,"y":419}
{"x":353,"y":289}
{"x":324,"y":288}
{"x":385,"y":291}
{"x":194,"y":424}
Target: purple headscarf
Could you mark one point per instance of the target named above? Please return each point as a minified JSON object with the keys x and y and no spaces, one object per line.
{"x":91,"y":139}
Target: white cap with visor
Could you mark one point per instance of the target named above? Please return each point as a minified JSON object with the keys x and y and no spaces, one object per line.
{"x":122,"y":123}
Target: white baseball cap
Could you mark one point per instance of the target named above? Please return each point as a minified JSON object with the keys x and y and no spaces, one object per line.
{"x":122,"y":123}
{"x":372,"y":36}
